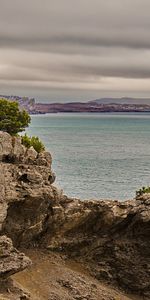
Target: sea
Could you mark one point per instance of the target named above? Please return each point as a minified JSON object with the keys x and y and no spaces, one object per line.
{"x":97,"y":155}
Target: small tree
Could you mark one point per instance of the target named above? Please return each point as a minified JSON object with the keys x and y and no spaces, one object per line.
{"x":12,"y":120}
{"x":33,"y":141}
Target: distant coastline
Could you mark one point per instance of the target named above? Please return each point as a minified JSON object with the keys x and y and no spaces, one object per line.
{"x":103,"y":105}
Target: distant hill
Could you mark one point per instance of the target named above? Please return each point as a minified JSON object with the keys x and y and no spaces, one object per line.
{"x":24,"y":102}
{"x":96,"y":106}
{"x":123,"y":100}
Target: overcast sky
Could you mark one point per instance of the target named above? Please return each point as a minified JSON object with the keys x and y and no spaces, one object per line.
{"x":69,"y":50}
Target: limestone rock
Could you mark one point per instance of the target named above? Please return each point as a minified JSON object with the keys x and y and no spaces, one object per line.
{"x":44,"y":158}
{"x":3,"y":213}
{"x":31,"y":155}
{"x":11,"y":260}
{"x":110,"y":237}
{"x":26,"y":192}
{"x":2,"y":184}
{"x":33,"y":177}
{"x":5,"y":144}
{"x":18,"y":149}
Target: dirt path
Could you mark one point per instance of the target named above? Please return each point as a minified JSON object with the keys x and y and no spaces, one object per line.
{"x":52,"y":278}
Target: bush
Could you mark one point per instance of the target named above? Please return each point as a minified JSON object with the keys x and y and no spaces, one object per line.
{"x":12,"y":119}
{"x":142,"y":191}
{"x":33,"y":141}
{"x":26,"y":141}
{"x":37,"y":144}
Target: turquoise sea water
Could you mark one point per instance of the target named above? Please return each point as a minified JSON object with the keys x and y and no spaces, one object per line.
{"x":97,"y":155}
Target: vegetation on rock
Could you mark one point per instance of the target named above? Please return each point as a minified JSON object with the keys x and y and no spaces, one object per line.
{"x":12,"y":119}
{"x":33,"y":141}
{"x":143,"y":190}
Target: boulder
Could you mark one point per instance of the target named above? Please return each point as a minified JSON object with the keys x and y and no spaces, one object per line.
{"x":5,"y":144}
{"x":31,"y":155}
{"x":11,"y":260}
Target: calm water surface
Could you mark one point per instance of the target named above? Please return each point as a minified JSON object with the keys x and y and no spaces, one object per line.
{"x":97,"y":155}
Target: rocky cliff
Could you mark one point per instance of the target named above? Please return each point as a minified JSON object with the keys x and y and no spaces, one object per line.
{"x":111,"y":239}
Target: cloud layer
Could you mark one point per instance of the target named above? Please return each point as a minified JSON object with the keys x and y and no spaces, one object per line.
{"x":66,"y":50}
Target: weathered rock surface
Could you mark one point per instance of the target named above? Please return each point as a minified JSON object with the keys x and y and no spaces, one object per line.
{"x":25,"y":177}
{"x":63,"y":279}
{"x":111,"y":238}
{"x":11,"y":261}
{"x":27,"y":194}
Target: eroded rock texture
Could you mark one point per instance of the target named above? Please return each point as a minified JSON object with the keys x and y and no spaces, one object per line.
{"x":27,"y":194}
{"x":11,"y":261}
{"x":111,"y":238}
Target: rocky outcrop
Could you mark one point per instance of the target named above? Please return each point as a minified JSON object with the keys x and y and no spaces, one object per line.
{"x":110,"y":238}
{"x":27,"y":194}
{"x":63,"y":279}
{"x":11,"y":261}
{"x":25,"y":184}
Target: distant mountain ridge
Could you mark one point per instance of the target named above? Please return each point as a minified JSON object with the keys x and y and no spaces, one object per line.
{"x":124,"y":104}
{"x":122,"y":100}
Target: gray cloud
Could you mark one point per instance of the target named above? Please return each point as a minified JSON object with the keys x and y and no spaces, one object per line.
{"x":75,"y":50}
{"x":133,"y":40}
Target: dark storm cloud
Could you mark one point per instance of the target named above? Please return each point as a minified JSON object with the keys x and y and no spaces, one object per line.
{"x":75,"y":46}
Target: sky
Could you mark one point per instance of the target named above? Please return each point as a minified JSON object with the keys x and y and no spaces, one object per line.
{"x":75,"y":50}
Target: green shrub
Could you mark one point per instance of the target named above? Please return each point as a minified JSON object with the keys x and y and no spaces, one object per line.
{"x":142,"y":191}
{"x":26,"y":141}
{"x":12,"y":119}
{"x":37,"y":144}
{"x":33,"y":141}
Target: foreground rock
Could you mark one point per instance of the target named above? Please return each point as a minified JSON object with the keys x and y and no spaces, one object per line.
{"x":110,"y":238}
{"x":26,"y":192}
{"x":11,"y":262}
{"x":62,"y":279}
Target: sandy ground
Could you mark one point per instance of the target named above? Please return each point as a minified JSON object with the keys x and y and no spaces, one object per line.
{"x":52,"y":277}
